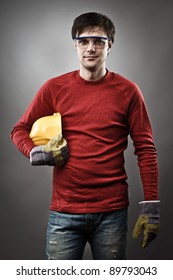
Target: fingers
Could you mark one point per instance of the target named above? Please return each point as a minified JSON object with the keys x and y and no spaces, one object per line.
{"x":150,"y":233}
{"x":142,"y":220}
{"x":56,"y":140}
{"x":53,"y":143}
{"x":148,"y":237}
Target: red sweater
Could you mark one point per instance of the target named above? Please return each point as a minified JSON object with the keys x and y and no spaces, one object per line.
{"x":97,"y":118}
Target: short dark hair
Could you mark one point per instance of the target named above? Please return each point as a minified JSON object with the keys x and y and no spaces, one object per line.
{"x":91,"y":20}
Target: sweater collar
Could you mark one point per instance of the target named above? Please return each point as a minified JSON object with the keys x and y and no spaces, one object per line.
{"x":82,"y":81}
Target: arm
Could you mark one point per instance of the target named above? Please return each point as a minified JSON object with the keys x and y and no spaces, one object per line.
{"x":55,"y":152}
{"x":39,"y":107}
{"x":141,"y":134}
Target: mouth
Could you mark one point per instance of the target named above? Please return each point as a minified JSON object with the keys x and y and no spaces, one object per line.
{"x":90,"y":57}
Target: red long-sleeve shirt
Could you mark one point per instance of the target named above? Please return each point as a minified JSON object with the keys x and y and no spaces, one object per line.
{"x":97,"y":118}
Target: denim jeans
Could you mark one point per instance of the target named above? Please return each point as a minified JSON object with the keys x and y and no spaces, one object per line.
{"x":67,"y":235}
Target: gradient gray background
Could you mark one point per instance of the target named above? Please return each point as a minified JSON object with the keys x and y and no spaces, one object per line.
{"x":35,"y":46}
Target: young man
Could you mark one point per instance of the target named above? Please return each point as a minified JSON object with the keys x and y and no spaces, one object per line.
{"x":99,"y":110}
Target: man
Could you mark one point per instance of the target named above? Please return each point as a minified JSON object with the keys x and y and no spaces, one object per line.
{"x":99,"y":110}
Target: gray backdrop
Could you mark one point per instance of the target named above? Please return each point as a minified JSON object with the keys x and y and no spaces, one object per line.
{"x":35,"y":46}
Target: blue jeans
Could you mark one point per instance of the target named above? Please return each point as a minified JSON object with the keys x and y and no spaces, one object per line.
{"x":67,"y":235}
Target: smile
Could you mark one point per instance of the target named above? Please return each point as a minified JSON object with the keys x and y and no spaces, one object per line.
{"x":90,"y":57}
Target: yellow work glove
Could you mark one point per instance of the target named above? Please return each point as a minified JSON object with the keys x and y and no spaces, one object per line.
{"x":148,"y":222}
{"x":54,"y":153}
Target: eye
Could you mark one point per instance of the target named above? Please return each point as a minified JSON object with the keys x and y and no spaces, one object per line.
{"x":99,"y":42}
{"x":83,"y":42}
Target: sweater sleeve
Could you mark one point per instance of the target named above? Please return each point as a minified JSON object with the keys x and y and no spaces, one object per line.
{"x":141,"y":134}
{"x":39,"y":107}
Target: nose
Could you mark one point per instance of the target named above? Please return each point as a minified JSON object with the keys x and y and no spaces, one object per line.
{"x":91,"y":46}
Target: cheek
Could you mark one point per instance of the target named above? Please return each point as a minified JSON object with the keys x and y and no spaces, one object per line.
{"x":79,"y":53}
{"x":105,"y":54}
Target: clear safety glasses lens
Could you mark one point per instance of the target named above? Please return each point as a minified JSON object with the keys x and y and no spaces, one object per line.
{"x":84,"y":42}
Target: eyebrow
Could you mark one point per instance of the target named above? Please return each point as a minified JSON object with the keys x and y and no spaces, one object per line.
{"x":90,"y":37}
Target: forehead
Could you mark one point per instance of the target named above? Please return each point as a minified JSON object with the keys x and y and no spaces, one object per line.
{"x":96,"y":31}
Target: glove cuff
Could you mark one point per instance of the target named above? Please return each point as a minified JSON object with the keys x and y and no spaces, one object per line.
{"x":150,"y":208}
{"x":39,"y":157}
{"x":148,"y":201}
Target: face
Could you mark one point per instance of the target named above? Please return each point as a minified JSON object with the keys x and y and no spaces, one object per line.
{"x":92,"y":52}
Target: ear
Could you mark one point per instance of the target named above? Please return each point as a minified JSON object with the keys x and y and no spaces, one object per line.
{"x":75,"y":44}
{"x":109,"y":46}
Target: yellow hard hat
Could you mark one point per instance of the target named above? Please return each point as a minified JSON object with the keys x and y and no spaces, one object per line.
{"x":45,"y":128}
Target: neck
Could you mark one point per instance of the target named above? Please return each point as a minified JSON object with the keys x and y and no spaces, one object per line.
{"x":92,"y":75}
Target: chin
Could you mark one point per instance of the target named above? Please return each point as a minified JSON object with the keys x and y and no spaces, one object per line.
{"x":91,"y":67}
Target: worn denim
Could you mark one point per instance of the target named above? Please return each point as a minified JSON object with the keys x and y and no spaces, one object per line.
{"x":67,"y":235}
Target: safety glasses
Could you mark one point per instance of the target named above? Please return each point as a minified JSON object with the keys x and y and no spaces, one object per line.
{"x":84,"y":41}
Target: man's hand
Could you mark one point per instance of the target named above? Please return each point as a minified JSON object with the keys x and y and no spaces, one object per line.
{"x":54,"y":153}
{"x":148,"y":222}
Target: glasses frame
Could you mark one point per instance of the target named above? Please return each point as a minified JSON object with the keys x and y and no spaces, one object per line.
{"x":91,"y":37}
